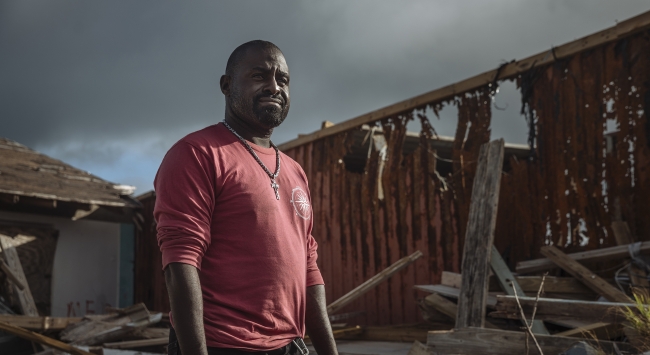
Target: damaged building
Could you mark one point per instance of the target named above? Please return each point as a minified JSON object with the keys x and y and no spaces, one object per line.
{"x":393,"y":211}
{"x":72,"y":233}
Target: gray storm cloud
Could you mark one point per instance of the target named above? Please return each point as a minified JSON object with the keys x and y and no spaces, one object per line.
{"x":110,"y":86}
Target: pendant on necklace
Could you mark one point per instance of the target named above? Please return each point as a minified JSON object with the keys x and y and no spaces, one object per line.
{"x":275,"y":187}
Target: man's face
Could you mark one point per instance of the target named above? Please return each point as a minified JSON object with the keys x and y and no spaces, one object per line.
{"x":259,"y":89}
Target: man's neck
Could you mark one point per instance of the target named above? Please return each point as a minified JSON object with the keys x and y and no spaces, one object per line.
{"x":249,"y":133}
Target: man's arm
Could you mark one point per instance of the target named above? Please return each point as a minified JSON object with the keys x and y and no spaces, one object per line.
{"x":186,"y":301}
{"x":318,"y":323}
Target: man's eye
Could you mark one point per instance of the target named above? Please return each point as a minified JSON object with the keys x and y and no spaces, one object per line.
{"x":258,"y":76}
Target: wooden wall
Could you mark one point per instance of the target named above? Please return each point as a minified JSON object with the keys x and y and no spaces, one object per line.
{"x":590,"y":165}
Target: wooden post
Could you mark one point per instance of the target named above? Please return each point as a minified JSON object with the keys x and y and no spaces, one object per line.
{"x":479,"y":236}
{"x":24,"y":295}
{"x":509,"y":285}
{"x":585,"y":275}
{"x":372,"y":282}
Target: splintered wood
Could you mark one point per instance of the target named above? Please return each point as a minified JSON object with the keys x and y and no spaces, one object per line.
{"x":480,"y":234}
{"x":21,"y":288}
{"x":585,"y":275}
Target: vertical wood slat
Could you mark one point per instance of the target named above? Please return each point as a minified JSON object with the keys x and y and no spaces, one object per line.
{"x":479,"y":237}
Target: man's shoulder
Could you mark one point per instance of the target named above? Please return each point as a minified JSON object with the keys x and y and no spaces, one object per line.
{"x":207,"y":139}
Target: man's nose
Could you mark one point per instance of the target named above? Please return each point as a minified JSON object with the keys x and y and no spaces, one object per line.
{"x":272,"y":86}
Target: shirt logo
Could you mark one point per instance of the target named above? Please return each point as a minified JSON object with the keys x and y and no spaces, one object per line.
{"x":300,"y":203}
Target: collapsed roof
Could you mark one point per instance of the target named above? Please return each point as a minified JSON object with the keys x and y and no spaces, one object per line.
{"x":34,"y":182}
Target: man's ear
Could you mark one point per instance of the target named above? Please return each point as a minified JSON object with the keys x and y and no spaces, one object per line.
{"x":224,"y":83}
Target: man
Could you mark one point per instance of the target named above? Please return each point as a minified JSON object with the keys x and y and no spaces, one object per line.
{"x":234,"y":225}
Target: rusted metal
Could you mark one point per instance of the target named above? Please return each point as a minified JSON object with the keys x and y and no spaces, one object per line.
{"x":565,"y":193}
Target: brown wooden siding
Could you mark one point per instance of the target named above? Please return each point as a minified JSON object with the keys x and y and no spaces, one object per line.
{"x":567,"y":193}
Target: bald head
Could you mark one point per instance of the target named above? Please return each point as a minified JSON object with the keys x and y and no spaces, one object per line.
{"x":240,"y":52}
{"x":256,"y":86}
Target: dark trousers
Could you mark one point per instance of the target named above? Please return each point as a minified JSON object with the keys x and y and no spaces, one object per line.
{"x":174,"y":349}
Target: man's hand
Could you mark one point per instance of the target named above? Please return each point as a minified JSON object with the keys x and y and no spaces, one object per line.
{"x":318,"y":323}
{"x":186,"y":300}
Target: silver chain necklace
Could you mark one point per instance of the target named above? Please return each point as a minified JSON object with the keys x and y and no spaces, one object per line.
{"x":274,"y":175}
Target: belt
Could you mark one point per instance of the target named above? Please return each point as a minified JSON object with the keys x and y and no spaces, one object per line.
{"x":296,"y":347}
{"x":296,"y":344}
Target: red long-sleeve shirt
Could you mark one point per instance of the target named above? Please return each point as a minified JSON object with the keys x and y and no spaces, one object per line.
{"x":216,"y":210}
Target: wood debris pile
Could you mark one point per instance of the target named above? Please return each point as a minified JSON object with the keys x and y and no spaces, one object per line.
{"x":119,"y":332}
{"x":530,"y":314}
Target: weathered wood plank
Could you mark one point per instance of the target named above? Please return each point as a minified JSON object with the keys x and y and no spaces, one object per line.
{"x":480,"y":235}
{"x":137,"y":343}
{"x":119,"y":331}
{"x":585,"y":275}
{"x":442,"y":305}
{"x":15,"y":279}
{"x":38,"y":323}
{"x":603,"y":254}
{"x":446,"y":307}
{"x":509,"y":285}
{"x":24,"y":295}
{"x":471,"y":341}
{"x":101,"y":324}
{"x":41,"y":339}
{"x":530,"y":284}
{"x":452,"y":292}
{"x":373,"y":282}
{"x":558,"y":309}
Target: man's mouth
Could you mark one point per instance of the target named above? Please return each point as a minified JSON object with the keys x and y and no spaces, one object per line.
{"x":270,"y":101}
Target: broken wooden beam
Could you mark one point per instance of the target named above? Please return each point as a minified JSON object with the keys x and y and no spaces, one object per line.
{"x":584,"y":275}
{"x":11,"y":276}
{"x":558,"y":309}
{"x":119,"y":331}
{"x":479,"y":236}
{"x":150,"y":333}
{"x":472,"y":341}
{"x":130,"y":344}
{"x":530,"y":284}
{"x":511,"y":287}
{"x":24,"y":295}
{"x":373,"y":282}
{"x":452,"y":292}
{"x":603,"y":254}
{"x":442,"y":305}
{"x":38,"y":323}
{"x":111,"y":327}
{"x":41,"y":339}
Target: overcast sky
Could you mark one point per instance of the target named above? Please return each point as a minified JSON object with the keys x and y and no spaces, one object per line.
{"x":109,"y":86}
